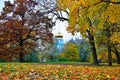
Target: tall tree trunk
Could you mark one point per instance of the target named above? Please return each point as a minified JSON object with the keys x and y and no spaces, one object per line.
{"x":93,"y":48}
{"x":109,"y":47}
{"x":117,"y":55}
{"x":21,"y":52}
{"x":109,"y":54}
{"x":118,"y":58}
{"x":21,"y":57}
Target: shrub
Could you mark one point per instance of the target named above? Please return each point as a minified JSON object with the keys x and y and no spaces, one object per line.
{"x":62,"y":57}
{"x":71,"y":52}
{"x":32,"y":57}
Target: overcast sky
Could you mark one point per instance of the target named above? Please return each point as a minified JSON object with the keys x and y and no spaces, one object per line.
{"x":60,"y":26}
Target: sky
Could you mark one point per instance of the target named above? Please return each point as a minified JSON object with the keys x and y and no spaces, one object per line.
{"x":2,"y":3}
{"x":59,"y":27}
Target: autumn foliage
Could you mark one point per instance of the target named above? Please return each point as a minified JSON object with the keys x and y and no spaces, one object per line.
{"x":58,"y":72}
{"x":21,"y":27}
{"x":71,"y":52}
{"x":90,"y":17}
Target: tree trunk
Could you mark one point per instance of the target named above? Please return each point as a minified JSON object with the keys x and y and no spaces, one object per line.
{"x":94,"y":54}
{"x":109,"y":54}
{"x":117,"y":55}
{"x":118,"y":58}
{"x":21,"y":57}
{"x":93,"y":48}
{"x":21,"y":52}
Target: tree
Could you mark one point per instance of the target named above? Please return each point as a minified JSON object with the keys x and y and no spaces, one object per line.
{"x":108,"y":38}
{"x":83,"y":47}
{"x":109,"y":23}
{"x":115,"y":39}
{"x":22,"y":25}
{"x":117,"y":53}
{"x":92,"y":14}
{"x":32,"y":57}
{"x":71,"y":52}
{"x":49,"y":53}
{"x":77,"y":21}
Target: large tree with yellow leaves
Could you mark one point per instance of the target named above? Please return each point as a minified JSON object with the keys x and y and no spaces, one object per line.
{"x":90,"y":16}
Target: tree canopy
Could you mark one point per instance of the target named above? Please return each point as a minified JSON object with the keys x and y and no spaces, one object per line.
{"x":90,"y":16}
{"x":22,"y":24}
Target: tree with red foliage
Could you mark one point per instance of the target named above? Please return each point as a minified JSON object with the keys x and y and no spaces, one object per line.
{"x":22,"y":24}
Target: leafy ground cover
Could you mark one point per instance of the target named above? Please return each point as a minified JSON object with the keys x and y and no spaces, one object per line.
{"x":32,"y":71}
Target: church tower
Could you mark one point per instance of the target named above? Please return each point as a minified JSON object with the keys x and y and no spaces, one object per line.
{"x":59,"y":41}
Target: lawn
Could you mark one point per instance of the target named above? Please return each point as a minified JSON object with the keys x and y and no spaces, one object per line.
{"x":58,"y":71}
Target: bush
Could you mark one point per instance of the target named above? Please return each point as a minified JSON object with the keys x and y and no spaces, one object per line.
{"x":62,"y":57}
{"x":32,"y":57}
{"x":103,"y":56}
{"x":2,"y":60}
{"x":71,"y":52}
{"x":90,"y":58}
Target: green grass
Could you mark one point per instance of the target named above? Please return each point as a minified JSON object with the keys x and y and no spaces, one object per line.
{"x":52,"y":63}
{"x":60,"y":63}
{"x":66,"y":62}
